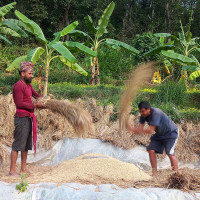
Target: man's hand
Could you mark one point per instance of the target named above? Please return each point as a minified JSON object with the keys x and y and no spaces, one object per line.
{"x":132,"y":129}
{"x":39,"y":105}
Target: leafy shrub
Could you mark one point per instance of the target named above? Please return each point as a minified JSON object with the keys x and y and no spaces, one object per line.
{"x":144,"y":43}
{"x":22,"y":186}
{"x":114,"y":65}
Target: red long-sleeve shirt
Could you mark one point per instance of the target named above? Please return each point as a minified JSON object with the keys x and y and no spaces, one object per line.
{"x":22,"y":95}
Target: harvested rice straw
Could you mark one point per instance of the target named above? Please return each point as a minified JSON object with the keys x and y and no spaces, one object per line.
{"x":184,"y":180}
{"x":143,"y":73}
{"x":184,"y":149}
{"x":78,"y":118}
{"x":104,"y":121}
{"x":3,"y":154}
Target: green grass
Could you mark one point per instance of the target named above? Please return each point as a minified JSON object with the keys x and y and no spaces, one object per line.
{"x":172,"y":98}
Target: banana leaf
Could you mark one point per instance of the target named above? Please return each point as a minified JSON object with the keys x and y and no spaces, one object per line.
{"x":32,"y":27}
{"x":90,"y":24}
{"x":159,"y":49}
{"x":84,"y":49}
{"x":5,"y":39}
{"x":162,"y":34}
{"x":5,"y":9}
{"x":194,"y":75}
{"x":60,"y":48}
{"x":8,"y":31}
{"x":14,"y":24}
{"x":74,"y":66}
{"x":16,"y":63}
{"x":78,"y":33}
{"x":123,"y":45}
{"x":34,"y":54}
{"x":103,"y":21}
{"x":178,"y":57}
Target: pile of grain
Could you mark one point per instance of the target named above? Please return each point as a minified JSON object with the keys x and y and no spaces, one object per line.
{"x":94,"y":169}
{"x":165,"y":179}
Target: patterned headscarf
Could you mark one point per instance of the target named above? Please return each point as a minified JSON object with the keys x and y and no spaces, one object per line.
{"x":26,"y":66}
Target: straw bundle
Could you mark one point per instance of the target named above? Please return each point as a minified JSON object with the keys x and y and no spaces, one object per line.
{"x":184,"y":150}
{"x":185,"y":181}
{"x":3,"y":154}
{"x":91,"y":106}
{"x":77,"y":117}
{"x":114,"y":136}
{"x":104,"y":121}
{"x":143,"y":73}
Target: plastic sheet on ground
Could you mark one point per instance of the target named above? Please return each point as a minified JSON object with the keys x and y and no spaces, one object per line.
{"x":74,"y":191}
{"x":70,"y":148}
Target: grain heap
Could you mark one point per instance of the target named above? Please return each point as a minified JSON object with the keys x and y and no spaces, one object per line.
{"x":94,"y":169}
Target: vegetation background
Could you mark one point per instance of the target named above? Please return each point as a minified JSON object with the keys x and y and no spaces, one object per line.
{"x":133,"y":22}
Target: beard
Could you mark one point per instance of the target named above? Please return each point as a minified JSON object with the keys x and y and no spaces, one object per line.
{"x":27,"y":80}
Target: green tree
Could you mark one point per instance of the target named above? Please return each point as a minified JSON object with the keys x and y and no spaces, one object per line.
{"x":50,"y":50}
{"x":96,"y":39}
{"x":9,"y":27}
{"x":180,"y":51}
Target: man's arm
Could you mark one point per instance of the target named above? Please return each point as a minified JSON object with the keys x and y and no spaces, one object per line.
{"x":36,"y":95}
{"x":140,"y":129}
{"x":18,"y":98}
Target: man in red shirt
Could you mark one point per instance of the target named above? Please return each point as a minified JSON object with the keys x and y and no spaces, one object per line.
{"x":22,"y":95}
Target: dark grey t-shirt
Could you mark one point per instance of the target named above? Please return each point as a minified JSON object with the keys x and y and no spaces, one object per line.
{"x":164,"y":125}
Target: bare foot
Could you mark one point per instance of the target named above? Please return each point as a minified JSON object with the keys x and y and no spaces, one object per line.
{"x":13,"y":174}
{"x":25,"y":172}
{"x":155,"y":174}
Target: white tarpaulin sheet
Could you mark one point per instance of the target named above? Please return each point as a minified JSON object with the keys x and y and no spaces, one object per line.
{"x":70,"y":148}
{"x":74,"y":191}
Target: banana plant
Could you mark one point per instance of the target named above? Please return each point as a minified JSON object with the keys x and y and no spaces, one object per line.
{"x":9,"y":26}
{"x":164,"y":62}
{"x":95,"y":38}
{"x":181,"y":53}
{"x":50,"y":50}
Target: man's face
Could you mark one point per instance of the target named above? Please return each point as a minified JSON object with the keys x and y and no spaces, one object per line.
{"x":27,"y":75}
{"x":145,"y":112}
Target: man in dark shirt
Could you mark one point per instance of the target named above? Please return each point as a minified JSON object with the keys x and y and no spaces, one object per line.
{"x":22,"y":95}
{"x":164,"y":130}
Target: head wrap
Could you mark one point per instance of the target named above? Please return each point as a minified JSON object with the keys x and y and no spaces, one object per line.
{"x":26,"y":66}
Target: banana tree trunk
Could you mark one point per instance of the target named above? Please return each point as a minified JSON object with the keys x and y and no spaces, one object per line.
{"x":46,"y":81}
{"x":92,"y":80}
{"x":39,"y":78}
{"x":97,"y":80}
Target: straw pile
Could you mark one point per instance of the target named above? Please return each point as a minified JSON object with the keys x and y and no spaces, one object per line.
{"x":184,"y":148}
{"x":77,"y":117}
{"x":7,"y":109}
{"x":90,"y":105}
{"x":3,"y":154}
{"x":184,"y":181}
